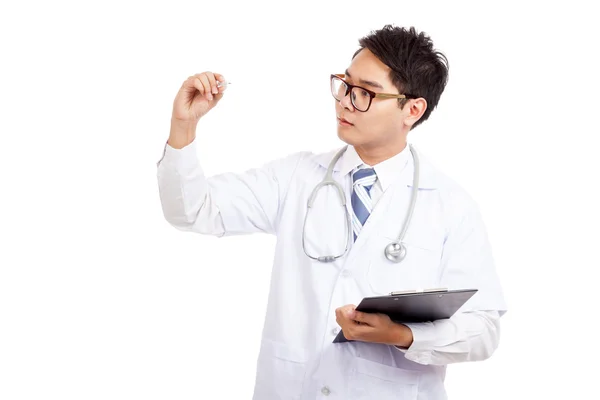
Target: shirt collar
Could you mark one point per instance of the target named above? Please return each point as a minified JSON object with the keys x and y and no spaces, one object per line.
{"x":387,"y":171}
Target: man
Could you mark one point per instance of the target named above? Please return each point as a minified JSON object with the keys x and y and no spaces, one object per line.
{"x":392,"y":85}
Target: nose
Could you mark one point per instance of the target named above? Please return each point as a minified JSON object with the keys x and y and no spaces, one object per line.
{"x":346,"y":102}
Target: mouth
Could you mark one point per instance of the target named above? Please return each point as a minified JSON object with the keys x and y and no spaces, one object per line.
{"x":343,"y":122}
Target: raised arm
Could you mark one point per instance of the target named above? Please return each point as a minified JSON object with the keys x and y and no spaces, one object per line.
{"x":226,"y":204}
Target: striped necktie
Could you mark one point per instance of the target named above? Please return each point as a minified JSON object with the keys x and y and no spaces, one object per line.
{"x":363,"y":179}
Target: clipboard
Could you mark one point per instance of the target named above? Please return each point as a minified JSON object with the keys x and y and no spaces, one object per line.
{"x":414,"y":305}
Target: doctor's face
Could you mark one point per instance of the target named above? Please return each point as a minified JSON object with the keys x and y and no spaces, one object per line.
{"x":383,"y":126}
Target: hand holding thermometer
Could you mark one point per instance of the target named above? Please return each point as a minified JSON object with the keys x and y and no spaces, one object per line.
{"x":198,"y":94}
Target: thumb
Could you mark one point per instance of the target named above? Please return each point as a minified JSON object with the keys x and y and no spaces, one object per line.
{"x":348,"y":310}
{"x":210,"y":104}
{"x":218,"y":96}
{"x":363,"y":317}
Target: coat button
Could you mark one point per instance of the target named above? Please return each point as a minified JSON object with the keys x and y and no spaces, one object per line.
{"x":325,"y":390}
{"x":335,"y":331}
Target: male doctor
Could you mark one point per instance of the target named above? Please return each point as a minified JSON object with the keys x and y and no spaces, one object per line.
{"x":329,"y":256}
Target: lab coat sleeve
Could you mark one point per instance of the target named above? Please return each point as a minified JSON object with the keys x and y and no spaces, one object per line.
{"x":467,"y":336}
{"x":473,"y":333}
{"x":224,"y":204}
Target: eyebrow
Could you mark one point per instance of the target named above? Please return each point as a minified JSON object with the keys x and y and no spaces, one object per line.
{"x":365,"y":82}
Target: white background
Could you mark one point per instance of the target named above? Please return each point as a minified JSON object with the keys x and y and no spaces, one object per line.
{"x":101,"y":299}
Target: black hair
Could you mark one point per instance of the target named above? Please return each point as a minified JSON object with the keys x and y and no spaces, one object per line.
{"x":416,"y":67}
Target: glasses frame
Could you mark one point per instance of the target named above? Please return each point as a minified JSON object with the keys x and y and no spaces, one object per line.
{"x":372,"y":94}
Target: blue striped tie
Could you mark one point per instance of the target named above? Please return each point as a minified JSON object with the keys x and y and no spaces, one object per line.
{"x":362,"y":206}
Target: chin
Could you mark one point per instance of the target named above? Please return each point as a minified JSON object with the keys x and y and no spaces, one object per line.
{"x":348,"y":137}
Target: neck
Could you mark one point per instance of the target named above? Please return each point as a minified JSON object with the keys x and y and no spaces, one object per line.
{"x":375,"y":154}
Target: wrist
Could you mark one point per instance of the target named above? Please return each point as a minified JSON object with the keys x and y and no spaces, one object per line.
{"x":182,"y":133}
{"x":403,"y":336}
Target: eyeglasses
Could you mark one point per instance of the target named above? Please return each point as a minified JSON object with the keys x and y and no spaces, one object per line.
{"x":360,"y":97}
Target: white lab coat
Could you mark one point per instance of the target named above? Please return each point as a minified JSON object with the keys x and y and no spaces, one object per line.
{"x":447,"y":246}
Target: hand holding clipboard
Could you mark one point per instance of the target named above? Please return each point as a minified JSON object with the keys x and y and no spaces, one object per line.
{"x":414,"y":305}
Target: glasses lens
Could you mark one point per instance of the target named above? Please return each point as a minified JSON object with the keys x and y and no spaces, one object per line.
{"x":338,"y":88}
{"x":360,"y":98}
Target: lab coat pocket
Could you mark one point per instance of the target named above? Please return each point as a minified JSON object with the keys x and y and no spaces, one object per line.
{"x":420,"y":268}
{"x":372,"y":380}
{"x":280,"y":371}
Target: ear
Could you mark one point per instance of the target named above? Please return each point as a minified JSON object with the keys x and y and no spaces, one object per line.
{"x":415,"y":111}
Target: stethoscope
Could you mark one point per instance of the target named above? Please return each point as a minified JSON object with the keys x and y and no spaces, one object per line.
{"x":395,"y":251}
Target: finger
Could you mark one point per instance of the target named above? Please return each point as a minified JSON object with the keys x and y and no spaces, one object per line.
{"x":348,"y":334}
{"x":207,"y":90}
{"x":207,"y":87}
{"x":189,"y":84}
{"x":366,"y":318}
{"x":354,"y":331}
{"x":348,"y":311}
{"x":194,"y":82}
{"x":213,"y":82}
{"x":221,"y":79}
{"x":340,"y":318}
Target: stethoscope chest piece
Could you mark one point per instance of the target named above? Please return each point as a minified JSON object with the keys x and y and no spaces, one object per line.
{"x":395,"y":252}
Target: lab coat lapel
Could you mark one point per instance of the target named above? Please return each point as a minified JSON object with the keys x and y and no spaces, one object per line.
{"x":370,"y":227}
{"x":393,"y":202}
